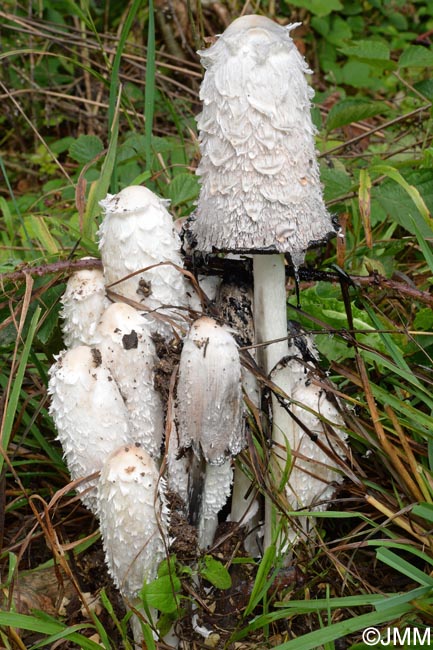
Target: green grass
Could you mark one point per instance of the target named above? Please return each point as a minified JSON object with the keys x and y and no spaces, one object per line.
{"x":95,"y":100}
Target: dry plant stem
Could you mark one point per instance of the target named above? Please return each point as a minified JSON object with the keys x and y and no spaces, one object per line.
{"x":215,"y":266}
{"x":270,"y":319}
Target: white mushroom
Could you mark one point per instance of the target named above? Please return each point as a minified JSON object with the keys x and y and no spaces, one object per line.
{"x":83,"y":303}
{"x":260,"y":175}
{"x":133,"y":519}
{"x":89,"y":414}
{"x":209,"y":417}
{"x":315,"y":470}
{"x":137,"y":232}
{"x":258,"y":170}
{"x":127,"y":349}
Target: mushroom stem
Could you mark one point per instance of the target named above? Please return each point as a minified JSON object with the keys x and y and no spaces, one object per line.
{"x":270,"y":322}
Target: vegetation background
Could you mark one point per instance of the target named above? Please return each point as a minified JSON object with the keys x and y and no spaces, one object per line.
{"x":99,"y":95}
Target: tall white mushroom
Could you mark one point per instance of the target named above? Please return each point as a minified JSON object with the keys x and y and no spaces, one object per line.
{"x":209,"y":419}
{"x":127,"y":349}
{"x":137,"y":232}
{"x":83,"y":304}
{"x":89,"y":414}
{"x":133,"y":517}
{"x":260,"y":185}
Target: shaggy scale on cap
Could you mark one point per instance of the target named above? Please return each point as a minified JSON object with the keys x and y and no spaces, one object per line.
{"x":89,"y":413}
{"x":137,"y":232}
{"x":260,"y":180}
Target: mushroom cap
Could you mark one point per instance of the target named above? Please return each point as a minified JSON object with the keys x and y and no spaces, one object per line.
{"x":260,"y":185}
{"x":216,"y":490}
{"x":131,"y":200}
{"x":209,"y":393}
{"x":126,"y":347}
{"x":133,"y":518}
{"x":89,"y":413}
{"x":137,"y":232}
{"x":83,"y":303}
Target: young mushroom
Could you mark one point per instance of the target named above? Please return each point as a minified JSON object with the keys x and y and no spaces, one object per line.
{"x":209,"y":419}
{"x":125,"y":343}
{"x":260,"y":186}
{"x":133,"y":517}
{"x":83,"y":304}
{"x":318,"y":437}
{"x":137,"y":232}
{"x":89,"y":414}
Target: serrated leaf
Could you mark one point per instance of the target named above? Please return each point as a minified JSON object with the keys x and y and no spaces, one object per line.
{"x":215,"y":572}
{"x":410,"y":189}
{"x":184,"y":188}
{"x":162,"y":593}
{"x":337,"y":183}
{"x":372,"y":50}
{"x":416,"y":56}
{"x":352,"y":110}
{"x":85,"y":148}
{"x":398,"y":204}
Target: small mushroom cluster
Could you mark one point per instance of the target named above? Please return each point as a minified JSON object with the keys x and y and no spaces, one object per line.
{"x":125,"y":445}
{"x":109,"y":416}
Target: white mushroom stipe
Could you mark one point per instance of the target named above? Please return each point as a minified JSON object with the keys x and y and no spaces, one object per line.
{"x":314,"y":472}
{"x":127,"y":349}
{"x":137,"y":232}
{"x":259,"y":171}
{"x":83,"y":304}
{"x":133,"y":518}
{"x":89,"y":414}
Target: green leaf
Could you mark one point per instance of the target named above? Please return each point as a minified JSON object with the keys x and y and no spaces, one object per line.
{"x":417,"y":202}
{"x":424,"y":510}
{"x":374,"y":50}
{"x":425,"y":87}
{"x":416,"y":56}
{"x":424,"y":319}
{"x":184,"y":188}
{"x":47,"y":625}
{"x":393,"y":560}
{"x":262,"y":581}
{"x":352,"y":110}
{"x":318,"y":7}
{"x":318,"y":638}
{"x":215,"y":572}
{"x":337,"y":183}
{"x":99,"y":188}
{"x":85,"y":148}
{"x":51,"y":315}
{"x":162,"y":593}
{"x":12,"y":403}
